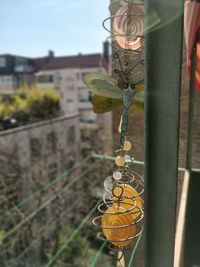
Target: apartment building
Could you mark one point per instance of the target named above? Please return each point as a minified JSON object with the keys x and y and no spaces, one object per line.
{"x":19,"y":70}
{"x":15,"y":70}
{"x":65,"y":75}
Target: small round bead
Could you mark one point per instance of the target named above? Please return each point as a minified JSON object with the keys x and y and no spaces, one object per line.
{"x":119,"y":161}
{"x":127,"y":146}
{"x":117,"y":175}
{"x":127,"y":158}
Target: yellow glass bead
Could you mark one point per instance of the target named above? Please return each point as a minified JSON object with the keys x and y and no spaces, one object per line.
{"x":113,"y":218}
{"x":127,"y":146}
{"x":133,"y":199}
{"x":119,"y":161}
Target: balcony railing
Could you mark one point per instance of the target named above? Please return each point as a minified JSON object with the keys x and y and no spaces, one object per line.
{"x":84,"y":105}
{"x":24,"y":69}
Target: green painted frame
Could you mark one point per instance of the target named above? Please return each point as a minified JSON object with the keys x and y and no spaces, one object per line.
{"x":162,"y":107}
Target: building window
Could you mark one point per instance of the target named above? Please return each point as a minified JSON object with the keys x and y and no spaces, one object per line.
{"x":85,"y":135}
{"x":90,"y":96}
{"x":84,"y":94}
{"x":35,"y":148}
{"x":71,"y":135}
{"x":51,"y":141}
{"x":52,"y":170}
{"x":21,"y":62}
{"x":70,"y":161}
{"x":70,"y":87}
{"x":45,"y":78}
{"x":69,"y":78}
{"x":88,"y":116}
{"x":2,"y":62}
{"x":79,"y":76}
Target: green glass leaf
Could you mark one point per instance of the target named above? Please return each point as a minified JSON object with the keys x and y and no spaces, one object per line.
{"x":139,"y":88}
{"x":139,"y":106}
{"x":138,"y":77}
{"x":103,"y":104}
{"x":102,"y":85}
{"x":139,"y":97}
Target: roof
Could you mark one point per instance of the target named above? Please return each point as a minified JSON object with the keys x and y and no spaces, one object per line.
{"x":38,"y":63}
{"x":79,"y":61}
{"x":64,"y":62}
{"x":14,"y":56}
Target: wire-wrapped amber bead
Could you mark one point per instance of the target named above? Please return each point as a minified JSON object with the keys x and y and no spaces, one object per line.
{"x":127,"y":146}
{"x":118,"y":226}
{"x":120,"y":161}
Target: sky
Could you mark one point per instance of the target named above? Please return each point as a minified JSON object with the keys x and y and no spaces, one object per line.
{"x":32,"y":27}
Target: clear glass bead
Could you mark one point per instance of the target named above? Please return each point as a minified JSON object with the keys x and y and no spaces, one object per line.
{"x":117,"y":175}
{"x":127,"y":158}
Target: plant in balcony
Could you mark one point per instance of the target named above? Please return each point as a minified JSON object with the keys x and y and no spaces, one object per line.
{"x":28,"y":106}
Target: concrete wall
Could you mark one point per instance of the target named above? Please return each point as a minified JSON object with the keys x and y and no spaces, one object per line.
{"x":96,"y":128}
{"x":43,"y":149}
{"x":32,"y":157}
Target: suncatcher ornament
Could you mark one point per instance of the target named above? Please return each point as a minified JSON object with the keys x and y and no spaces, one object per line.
{"x":121,"y":211}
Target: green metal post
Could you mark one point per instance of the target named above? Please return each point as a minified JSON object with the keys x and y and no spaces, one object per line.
{"x":162,"y":107}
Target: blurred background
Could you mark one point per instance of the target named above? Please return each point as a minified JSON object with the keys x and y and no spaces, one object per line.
{"x":52,"y":145}
{"x":50,"y":182}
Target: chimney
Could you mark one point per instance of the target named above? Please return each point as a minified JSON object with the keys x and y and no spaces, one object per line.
{"x":51,"y":54}
{"x":106,"y":56}
{"x":106,"y":51}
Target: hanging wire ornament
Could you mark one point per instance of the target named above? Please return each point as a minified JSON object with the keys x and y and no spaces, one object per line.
{"x":130,"y":87}
{"x":134,"y":27}
{"x":127,"y":24}
{"x":121,"y":212}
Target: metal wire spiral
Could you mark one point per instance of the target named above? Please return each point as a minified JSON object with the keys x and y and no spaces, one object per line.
{"x":127,"y":39}
{"x":121,"y":212}
{"x":123,"y":192}
{"x":127,"y":24}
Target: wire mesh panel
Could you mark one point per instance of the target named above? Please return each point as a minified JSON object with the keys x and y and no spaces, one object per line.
{"x":57,"y":224}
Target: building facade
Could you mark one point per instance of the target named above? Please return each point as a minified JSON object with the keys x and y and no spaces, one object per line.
{"x":15,"y":71}
{"x":65,"y":75}
{"x":35,"y":161}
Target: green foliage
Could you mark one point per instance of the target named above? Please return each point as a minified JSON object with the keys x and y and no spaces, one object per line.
{"x":80,"y":252}
{"x":2,"y":235}
{"x":76,"y":249}
{"x":42,"y":104}
{"x":139,"y":106}
{"x":28,"y":105}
